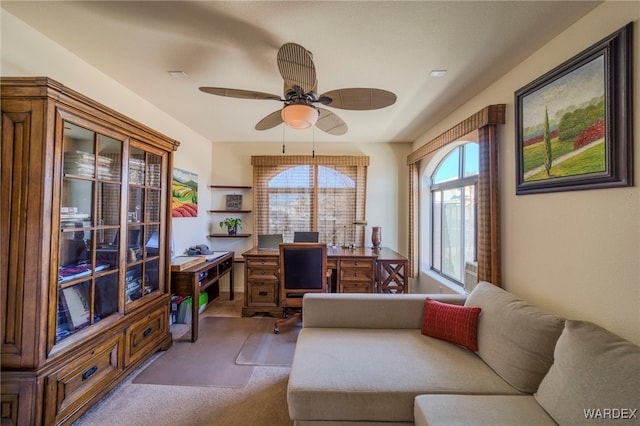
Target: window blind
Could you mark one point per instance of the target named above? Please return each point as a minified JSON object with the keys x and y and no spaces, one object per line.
{"x":304,"y":193}
{"x":485,"y":122}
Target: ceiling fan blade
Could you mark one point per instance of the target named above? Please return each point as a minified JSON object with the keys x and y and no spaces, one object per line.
{"x":296,"y":67}
{"x":239,"y":93}
{"x":270,"y":121}
{"x":360,"y":98}
{"x":330,"y":123}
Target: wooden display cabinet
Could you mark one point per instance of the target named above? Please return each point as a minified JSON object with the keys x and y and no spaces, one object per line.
{"x":86,"y":196}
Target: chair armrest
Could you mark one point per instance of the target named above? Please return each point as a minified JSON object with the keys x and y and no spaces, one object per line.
{"x":368,"y":310}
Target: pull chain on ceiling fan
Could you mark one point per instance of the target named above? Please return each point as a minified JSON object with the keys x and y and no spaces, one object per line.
{"x":301,"y":110}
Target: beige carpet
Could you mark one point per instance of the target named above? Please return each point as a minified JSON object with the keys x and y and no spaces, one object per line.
{"x":265,"y":348}
{"x":210,"y":361}
{"x":262,"y":402}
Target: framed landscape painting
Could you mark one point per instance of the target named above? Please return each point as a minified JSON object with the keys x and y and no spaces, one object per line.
{"x":573,"y":124}
{"x":184,"y":197}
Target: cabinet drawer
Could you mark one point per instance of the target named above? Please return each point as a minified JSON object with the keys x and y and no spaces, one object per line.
{"x":145,"y":333}
{"x":262,"y":275}
{"x":356,"y":271}
{"x":69,"y":388}
{"x":263,"y":293}
{"x":356,"y":287}
{"x":263,"y":262}
{"x":356,"y":274}
{"x":357,"y":263}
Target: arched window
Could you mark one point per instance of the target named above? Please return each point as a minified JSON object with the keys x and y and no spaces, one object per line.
{"x":322,"y":193}
{"x":454,"y":212}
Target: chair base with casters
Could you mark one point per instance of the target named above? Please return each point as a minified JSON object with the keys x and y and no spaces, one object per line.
{"x":286,"y":320}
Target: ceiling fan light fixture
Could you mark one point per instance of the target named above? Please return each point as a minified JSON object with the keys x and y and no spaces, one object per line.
{"x":299,"y":116}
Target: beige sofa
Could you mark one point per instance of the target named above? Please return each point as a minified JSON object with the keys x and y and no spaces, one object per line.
{"x":362,"y":359}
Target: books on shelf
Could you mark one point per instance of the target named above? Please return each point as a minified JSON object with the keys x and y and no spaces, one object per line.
{"x":82,"y":163}
{"x":182,"y":305}
{"x":136,"y":171}
{"x":78,"y":270}
{"x":176,"y":301}
{"x":73,"y":216}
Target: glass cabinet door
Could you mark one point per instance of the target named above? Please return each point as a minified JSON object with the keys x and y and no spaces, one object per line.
{"x":144,"y":212}
{"x":88,"y":255}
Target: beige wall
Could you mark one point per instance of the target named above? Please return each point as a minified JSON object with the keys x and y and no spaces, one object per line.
{"x":386,"y":178}
{"x":386,"y":182}
{"x":576,"y":254}
{"x":26,"y":52}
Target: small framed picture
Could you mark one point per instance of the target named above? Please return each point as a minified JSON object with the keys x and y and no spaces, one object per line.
{"x":234,"y":202}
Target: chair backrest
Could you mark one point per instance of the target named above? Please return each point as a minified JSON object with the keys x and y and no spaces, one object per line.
{"x":303,"y":269}
{"x":305,"y":237}
{"x":269,"y":241}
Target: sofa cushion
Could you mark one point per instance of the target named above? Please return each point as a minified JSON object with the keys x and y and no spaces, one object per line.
{"x":473,"y":410}
{"x":515,"y":338}
{"x":593,"y":370}
{"x":375,"y":374}
{"x":456,"y":324}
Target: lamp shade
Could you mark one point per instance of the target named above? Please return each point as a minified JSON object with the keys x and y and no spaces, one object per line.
{"x":299,"y":116}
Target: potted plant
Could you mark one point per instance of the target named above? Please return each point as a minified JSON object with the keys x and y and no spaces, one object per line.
{"x":232,"y":224}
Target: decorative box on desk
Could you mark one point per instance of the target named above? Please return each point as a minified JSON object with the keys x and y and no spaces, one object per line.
{"x":202,"y":277}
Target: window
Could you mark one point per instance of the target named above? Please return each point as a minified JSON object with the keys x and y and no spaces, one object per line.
{"x":482,"y":127}
{"x":454,"y":212}
{"x":301,"y":193}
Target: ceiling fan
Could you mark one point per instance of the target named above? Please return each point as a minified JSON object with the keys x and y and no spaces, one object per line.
{"x":301,"y":102}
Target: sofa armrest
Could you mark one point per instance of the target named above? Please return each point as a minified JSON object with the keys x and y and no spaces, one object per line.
{"x":367,"y":310}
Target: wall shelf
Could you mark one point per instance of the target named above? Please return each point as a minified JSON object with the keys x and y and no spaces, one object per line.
{"x":229,"y":187}
{"x":229,"y":211}
{"x":229,"y":236}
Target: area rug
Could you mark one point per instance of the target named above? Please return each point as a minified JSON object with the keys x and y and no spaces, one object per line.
{"x":210,"y":361}
{"x":265,"y":348}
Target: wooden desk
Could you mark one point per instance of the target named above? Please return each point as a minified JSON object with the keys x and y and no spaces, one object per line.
{"x":359,"y":270}
{"x":191,"y":281}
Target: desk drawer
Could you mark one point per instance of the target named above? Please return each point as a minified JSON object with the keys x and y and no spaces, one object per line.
{"x":262,"y":293}
{"x":263,"y":262}
{"x":67,"y":388}
{"x":357,"y":270}
{"x":262,"y":269}
{"x":356,"y":287}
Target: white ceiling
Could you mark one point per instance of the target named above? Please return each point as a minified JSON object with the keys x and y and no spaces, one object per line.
{"x":391,"y":45}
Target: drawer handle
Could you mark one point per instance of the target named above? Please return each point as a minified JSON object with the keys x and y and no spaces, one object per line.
{"x":262,"y":293}
{"x":147,"y":332}
{"x":90,"y":372}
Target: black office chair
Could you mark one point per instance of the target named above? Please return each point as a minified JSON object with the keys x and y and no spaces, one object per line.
{"x":306,"y":237}
{"x":303,"y":269}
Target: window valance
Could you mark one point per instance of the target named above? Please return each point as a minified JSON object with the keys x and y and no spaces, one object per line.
{"x":325,"y":160}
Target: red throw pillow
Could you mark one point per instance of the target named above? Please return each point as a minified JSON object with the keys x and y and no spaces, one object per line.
{"x":453,"y":323}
